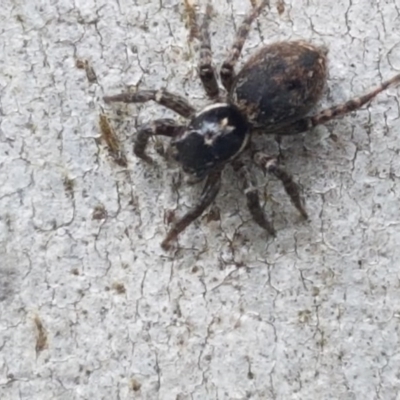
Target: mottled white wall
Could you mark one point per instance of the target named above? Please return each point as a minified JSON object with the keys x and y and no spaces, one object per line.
{"x":90,"y":305}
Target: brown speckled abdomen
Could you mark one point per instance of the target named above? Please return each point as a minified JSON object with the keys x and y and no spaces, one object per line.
{"x":280,"y":84}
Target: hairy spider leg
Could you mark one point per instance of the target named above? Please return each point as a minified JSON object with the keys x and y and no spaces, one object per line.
{"x":271,"y":165}
{"x":227,"y":72}
{"x":206,"y":70}
{"x":169,"y":100}
{"x":340,"y":110}
{"x":210,"y":191}
{"x":252,"y":195}
{"x":159,"y":127}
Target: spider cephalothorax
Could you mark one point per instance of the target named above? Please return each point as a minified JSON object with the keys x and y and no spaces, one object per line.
{"x":273,"y":93}
{"x":213,"y":137}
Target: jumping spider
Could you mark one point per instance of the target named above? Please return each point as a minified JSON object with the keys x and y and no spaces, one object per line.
{"x":273,"y":93}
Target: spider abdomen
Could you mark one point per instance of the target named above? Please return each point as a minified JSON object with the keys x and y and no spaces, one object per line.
{"x":280,"y":84}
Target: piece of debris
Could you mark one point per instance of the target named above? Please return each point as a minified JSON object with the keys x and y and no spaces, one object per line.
{"x":112,"y":142}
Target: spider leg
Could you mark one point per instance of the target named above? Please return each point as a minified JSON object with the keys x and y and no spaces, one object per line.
{"x":270,"y":164}
{"x":159,"y":127}
{"x":253,"y":199}
{"x":206,"y":69}
{"x":210,"y":191}
{"x":227,"y":70}
{"x":169,"y":100}
{"x":340,"y":110}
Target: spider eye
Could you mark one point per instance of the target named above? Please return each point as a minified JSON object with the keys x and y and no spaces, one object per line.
{"x":213,"y":137}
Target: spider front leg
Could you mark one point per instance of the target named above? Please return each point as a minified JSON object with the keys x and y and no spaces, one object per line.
{"x":340,"y":110}
{"x":210,"y":191}
{"x":227,"y":72}
{"x":253,"y":199}
{"x":159,"y":127}
{"x":270,"y":164}
{"x":169,"y":100}
{"x":206,"y":69}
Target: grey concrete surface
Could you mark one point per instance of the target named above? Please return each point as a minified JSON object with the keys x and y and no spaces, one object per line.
{"x":90,"y":305}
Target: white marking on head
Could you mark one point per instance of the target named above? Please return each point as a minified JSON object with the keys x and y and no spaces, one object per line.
{"x":212,"y":107}
{"x":224,"y":123}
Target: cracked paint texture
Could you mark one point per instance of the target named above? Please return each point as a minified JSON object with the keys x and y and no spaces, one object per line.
{"x":92,"y":308}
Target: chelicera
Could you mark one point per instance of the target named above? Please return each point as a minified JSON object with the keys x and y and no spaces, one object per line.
{"x":272,"y":94}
